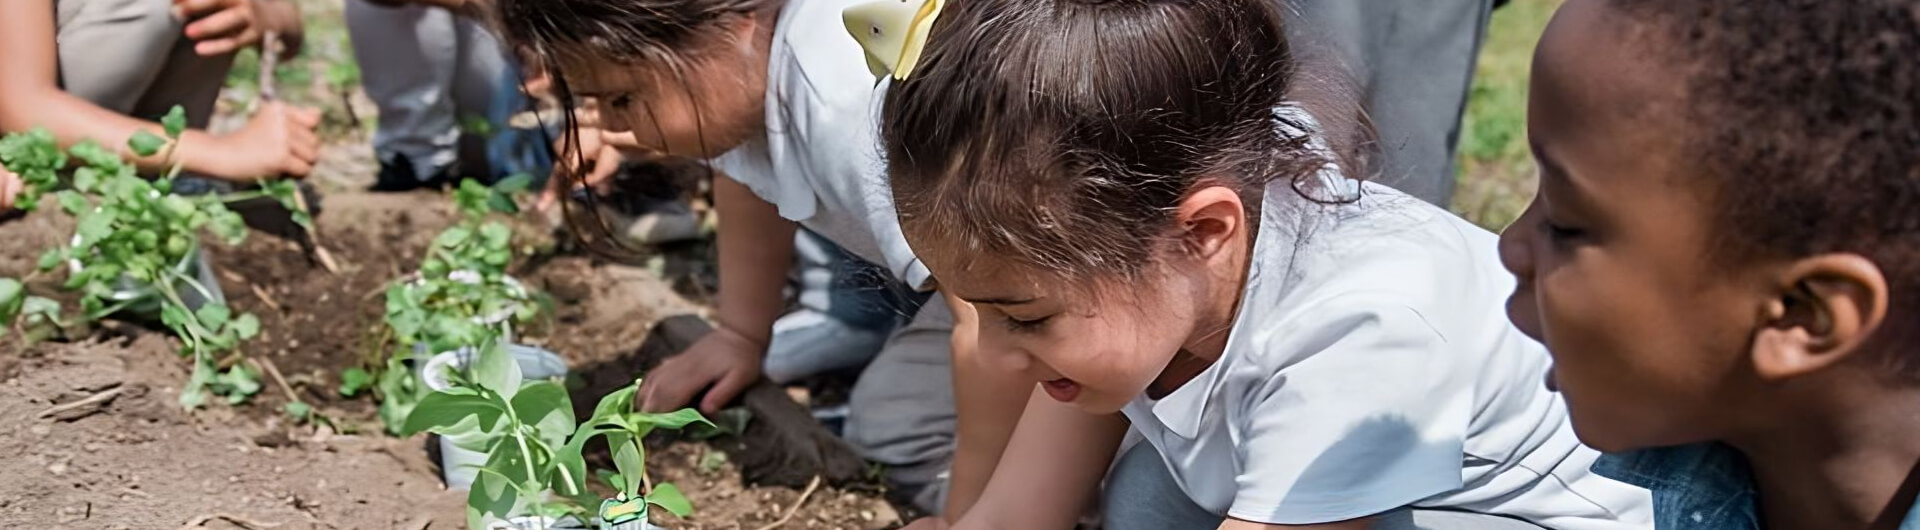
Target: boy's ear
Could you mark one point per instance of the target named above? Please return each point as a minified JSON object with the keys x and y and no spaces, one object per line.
{"x":1825,"y":308}
{"x":1210,"y":220}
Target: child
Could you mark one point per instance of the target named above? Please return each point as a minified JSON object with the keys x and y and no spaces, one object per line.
{"x":781,"y":99}
{"x":1722,"y":255}
{"x":101,"y":69}
{"x":1150,"y":229}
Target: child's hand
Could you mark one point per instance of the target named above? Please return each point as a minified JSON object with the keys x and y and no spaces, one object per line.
{"x":278,"y":142}
{"x":603,"y":161}
{"x":220,"y":27}
{"x":723,"y":359}
{"x":10,"y":188}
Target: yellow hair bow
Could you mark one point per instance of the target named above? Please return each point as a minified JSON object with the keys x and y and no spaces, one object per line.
{"x":893,"y":32}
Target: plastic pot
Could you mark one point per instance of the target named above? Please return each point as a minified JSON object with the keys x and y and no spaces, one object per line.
{"x":143,"y":298}
{"x":462,"y":455}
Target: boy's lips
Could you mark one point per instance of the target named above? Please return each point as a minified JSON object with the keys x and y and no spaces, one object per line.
{"x":1063,"y":390}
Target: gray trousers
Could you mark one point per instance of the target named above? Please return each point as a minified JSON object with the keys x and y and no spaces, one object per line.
{"x":1413,"y":61}
{"x":1142,"y":495}
{"x":133,"y":58}
{"x":901,"y":413}
{"x":428,"y":70}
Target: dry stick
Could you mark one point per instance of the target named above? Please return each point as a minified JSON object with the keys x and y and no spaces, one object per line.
{"x":270,"y":61}
{"x":95,"y":400}
{"x":266,"y":365}
{"x":264,"y":297}
{"x":797,"y":503}
{"x":201,"y":521}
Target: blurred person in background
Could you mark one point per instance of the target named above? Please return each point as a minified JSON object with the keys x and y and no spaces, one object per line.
{"x":100,"y":70}
{"x":1412,"y":61}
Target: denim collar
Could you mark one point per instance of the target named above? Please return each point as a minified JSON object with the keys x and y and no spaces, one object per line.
{"x":1698,"y":487}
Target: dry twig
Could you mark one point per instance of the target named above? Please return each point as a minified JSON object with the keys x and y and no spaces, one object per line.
{"x":797,"y":503}
{"x":84,"y":407}
{"x":201,"y":521}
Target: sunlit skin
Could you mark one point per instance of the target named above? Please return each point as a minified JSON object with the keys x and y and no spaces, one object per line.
{"x":1099,"y":342}
{"x":1657,"y":341}
{"x":713,"y":104}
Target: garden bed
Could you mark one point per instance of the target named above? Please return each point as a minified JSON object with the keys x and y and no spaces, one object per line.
{"x":95,"y":437}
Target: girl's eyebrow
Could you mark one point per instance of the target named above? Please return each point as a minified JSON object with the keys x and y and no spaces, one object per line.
{"x":1000,"y":301}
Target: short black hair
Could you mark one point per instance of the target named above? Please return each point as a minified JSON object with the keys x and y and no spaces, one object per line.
{"x":1806,"y":117}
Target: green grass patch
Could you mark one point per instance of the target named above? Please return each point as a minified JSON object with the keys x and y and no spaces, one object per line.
{"x":1496,"y":174}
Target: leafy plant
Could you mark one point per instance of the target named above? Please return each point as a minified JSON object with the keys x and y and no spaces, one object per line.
{"x":136,"y":247}
{"x":462,"y":297}
{"x":624,"y":430}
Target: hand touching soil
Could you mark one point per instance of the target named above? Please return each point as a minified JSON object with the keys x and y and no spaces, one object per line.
{"x":723,"y":360}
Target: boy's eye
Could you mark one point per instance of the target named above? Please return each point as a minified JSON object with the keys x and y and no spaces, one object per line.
{"x":1026,"y":326}
{"x":1561,"y":234}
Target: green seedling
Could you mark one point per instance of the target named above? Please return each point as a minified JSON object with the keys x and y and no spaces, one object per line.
{"x":136,"y":236}
{"x":624,"y":430}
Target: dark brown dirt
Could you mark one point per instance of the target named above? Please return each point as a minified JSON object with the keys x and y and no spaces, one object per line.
{"x":141,"y":462}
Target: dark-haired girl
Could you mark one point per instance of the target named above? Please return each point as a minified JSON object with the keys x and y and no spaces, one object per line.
{"x":1154,"y":229}
{"x":780,"y":98}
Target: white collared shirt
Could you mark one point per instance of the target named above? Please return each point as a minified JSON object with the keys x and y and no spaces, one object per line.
{"x":1372,"y":367}
{"x":820,"y":161}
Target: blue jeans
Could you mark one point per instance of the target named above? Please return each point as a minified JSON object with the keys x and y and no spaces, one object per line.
{"x":1142,"y":495}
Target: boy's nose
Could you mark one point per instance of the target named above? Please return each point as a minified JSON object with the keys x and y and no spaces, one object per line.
{"x":1516,"y":246}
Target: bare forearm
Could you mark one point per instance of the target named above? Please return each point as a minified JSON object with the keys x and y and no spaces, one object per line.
{"x":73,"y":120}
{"x":756,"y":250}
{"x":1051,"y":470}
{"x":988,"y":404}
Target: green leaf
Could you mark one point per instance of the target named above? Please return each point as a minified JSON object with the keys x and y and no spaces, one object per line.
{"x":146,"y":144}
{"x":237,"y":384}
{"x":175,"y":122}
{"x":72,"y":202}
{"x":668,"y":420}
{"x":299,"y":411}
{"x":95,"y":226}
{"x":630,"y":459}
{"x":545,"y":406}
{"x":86,"y":179}
{"x":516,"y":183}
{"x":614,"y":404}
{"x":93,"y":155}
{"x":668,"y":497}
{"x":441,"y":410}
{"x":13,"y":295}
{"x":304,"y":219}
{"x":491,"y":495}
{"x":353,"y":381}
{"x":246,"y":327}
{"x":496,"y":370}
{"x":452,"y":237}
{"x":52,"y":258}
{"x":502,"y":204}
{"x":174,"y":316}
{"x":504,"y":457}
{"x":213,"y":316}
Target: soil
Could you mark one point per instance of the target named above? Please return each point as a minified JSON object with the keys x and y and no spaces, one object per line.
{"x":137,"y":460}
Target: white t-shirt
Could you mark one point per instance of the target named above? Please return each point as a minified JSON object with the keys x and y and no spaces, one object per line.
{"x":820,"y":159}
{"x":1371,"y":367}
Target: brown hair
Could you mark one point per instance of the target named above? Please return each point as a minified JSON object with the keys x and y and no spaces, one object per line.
{"x":664,"y":36}
{"x":1806,"y":116}
{"x":1062,"y":133}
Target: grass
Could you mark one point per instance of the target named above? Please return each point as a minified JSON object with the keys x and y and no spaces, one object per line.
{"x":1496,"y":174}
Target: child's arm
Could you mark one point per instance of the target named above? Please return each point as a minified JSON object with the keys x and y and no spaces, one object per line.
{"x":1356,"y":524}
{"x":1051,"y":471}
{"x":756,"y":250}
{"x":989,"y":405}
{"x":278,"y":140}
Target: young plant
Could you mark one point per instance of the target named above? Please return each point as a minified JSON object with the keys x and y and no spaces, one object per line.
{"x":462,"y":297}
{"x":136,"y":247}
{"x":525,"y":425}
{"x":624,"y":430}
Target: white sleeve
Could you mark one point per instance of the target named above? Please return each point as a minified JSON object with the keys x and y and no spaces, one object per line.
{"x":1371,"y":415}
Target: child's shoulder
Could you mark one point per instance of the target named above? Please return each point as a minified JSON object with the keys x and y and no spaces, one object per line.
{"x":1386,"y":243}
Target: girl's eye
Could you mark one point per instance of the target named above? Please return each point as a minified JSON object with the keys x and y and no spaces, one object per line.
{"x":621,"y":101}
{"x":1026,"y":326}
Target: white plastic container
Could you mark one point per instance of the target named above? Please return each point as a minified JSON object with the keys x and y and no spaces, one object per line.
{"x":462,"y":455}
